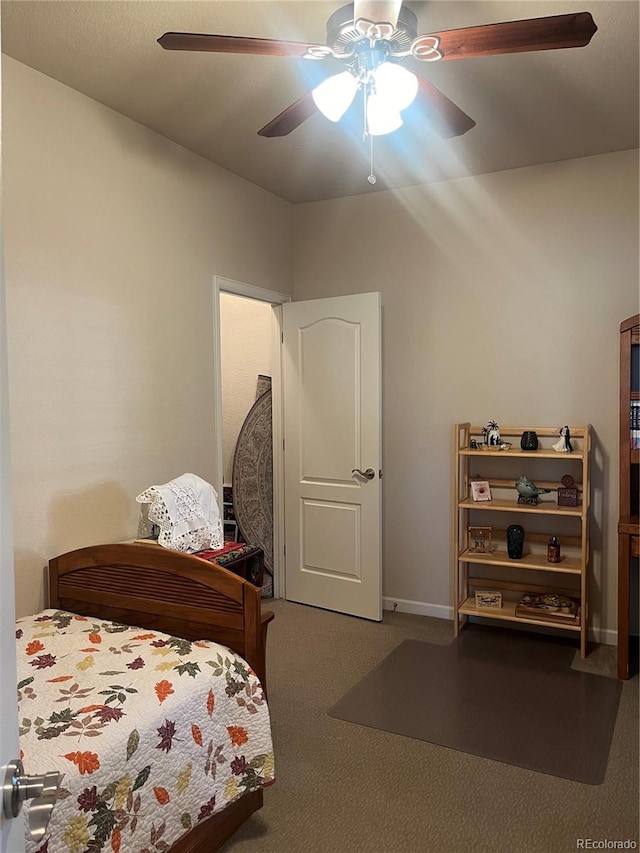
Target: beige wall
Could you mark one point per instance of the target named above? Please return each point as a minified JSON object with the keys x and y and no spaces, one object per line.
{"x":112,"y":237}
{"x":502,"y":297}
{"x":245,"y":349}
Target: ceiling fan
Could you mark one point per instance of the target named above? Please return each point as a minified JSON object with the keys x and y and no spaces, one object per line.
{"x":372,"y":39}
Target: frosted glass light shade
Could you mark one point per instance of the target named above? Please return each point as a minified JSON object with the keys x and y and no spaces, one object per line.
{"x":334,"y":95}
{"x":396,"y":85}
{"x":381,"y":117}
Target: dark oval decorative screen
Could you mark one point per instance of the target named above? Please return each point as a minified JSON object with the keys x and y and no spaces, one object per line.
{"x":252,"y":480}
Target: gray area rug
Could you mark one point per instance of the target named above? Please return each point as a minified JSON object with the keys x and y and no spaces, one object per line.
{"x":252,"y":482}
{"x":504,"y":696}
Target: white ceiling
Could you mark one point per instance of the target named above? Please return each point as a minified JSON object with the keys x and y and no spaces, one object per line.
{"x":530,"y":108}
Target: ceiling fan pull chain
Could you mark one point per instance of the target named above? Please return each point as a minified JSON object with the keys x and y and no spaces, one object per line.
{"x":366,"y":91}
{"x":372,"y":178}
{"x":365,"y":123}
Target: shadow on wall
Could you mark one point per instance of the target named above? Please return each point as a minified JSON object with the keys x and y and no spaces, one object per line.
{"x":23,"y":562}
{"x":104,"y":513}
{"x":598,"y":531}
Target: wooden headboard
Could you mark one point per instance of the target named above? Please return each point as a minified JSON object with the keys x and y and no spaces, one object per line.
{"x":150,"y":586}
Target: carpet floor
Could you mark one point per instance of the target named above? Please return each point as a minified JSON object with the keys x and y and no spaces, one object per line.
{"x":343,"y":788}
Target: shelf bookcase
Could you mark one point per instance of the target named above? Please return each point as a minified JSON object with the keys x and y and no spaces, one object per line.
{"x":569,"y":576}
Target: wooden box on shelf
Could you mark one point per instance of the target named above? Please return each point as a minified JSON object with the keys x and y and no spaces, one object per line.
{"x":488,"y":598}
{"x":548,"y":606}
{"x":567,"y":497}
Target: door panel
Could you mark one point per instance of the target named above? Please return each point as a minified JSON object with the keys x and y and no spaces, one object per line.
{"x":329,"y":428}
{"x":337,"y":554}
{"x":332,"y":425}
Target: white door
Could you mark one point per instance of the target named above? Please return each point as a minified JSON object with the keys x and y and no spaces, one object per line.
{"x":332,"y":429}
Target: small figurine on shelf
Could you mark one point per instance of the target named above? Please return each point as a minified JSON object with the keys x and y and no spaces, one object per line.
{"x":491,"y":434}
{"x":564,"y":444}
{"x":528,"y":492}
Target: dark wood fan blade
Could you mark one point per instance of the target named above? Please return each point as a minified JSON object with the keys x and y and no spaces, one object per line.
{"x":447,"y":119}
{"x":556,"y":31}
{"x":233,"y":44}
{"x":292,"y":117}
{"x":378,"y":11}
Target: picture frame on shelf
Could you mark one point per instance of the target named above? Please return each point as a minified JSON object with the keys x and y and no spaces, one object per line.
{"x":479,"y":540}
{"x":480,"y":490}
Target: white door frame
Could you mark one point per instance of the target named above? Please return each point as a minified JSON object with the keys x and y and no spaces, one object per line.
{"x":275,"y":299}
{"x":11,"y":831}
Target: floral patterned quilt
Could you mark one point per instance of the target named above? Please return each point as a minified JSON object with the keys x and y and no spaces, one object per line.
{"x":151,"y":733}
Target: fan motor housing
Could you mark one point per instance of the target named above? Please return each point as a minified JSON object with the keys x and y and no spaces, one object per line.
{"x":341,"y":31}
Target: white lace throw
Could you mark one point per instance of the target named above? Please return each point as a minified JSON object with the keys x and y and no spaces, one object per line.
{"x":186,"y":511}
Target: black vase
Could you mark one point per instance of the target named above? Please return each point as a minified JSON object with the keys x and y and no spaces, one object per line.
{"x":515,"y":541}
{"x":529,"y":440}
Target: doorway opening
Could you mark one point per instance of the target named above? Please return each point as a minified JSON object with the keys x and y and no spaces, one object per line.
{"x":247,"y":336}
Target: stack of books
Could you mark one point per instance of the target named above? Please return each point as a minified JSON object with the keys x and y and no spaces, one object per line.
{"x":634,"y":424}
{"x":549,"y":606}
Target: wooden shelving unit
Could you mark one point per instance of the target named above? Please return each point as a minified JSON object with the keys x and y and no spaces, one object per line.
{"x":628,"y":525}
{"x":229,"y":519}
{"x":569,"y":576}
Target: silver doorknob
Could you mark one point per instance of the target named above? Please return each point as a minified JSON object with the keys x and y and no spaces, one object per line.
{"x":41,"y":790}
{"x":369,"y":473}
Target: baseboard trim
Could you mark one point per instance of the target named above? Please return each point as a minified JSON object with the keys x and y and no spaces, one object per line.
{"x":605,"y":636}
{"x":420,"y":608}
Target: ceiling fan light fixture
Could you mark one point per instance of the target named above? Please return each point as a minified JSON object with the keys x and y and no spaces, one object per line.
{"x":395,"y":84}
{"x":382,"y":118}
{"x":334,"y":95}
{"x":369,"y":34}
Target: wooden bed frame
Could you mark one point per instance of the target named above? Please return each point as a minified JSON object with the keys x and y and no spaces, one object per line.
{"x":179,"y":594}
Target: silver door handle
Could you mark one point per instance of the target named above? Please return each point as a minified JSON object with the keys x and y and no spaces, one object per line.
{"x":41,"y":790}
{"x":369,"y":473}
